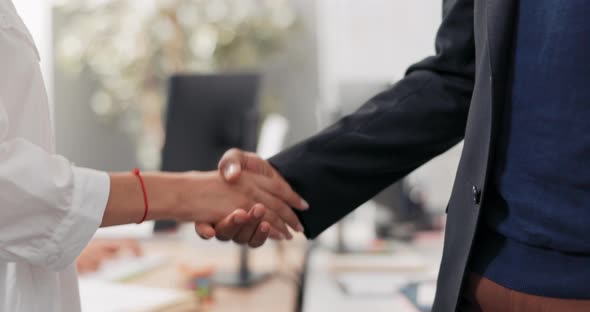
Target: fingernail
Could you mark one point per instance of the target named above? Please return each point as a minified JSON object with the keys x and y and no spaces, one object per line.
{"x":239,"y":219}
{"x":299,"y":228}
{"x":230,"y":170}
{"x":264,"y":229}
{"x":304,"y":204}
{"x":258,"y":213}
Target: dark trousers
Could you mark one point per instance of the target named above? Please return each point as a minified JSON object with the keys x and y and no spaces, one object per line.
{"x":483,"y":295}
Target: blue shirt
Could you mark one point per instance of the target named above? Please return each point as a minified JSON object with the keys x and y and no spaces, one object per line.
{"x":538,"y":218}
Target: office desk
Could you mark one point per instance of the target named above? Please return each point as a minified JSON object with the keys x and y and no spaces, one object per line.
{"x":323,"y":292}
{"x":277,"y":294}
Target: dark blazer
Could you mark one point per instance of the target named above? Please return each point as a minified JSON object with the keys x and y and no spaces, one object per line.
{"x":456,"y":94}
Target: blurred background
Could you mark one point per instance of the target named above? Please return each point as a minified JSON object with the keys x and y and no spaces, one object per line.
{"x":123,"y":75}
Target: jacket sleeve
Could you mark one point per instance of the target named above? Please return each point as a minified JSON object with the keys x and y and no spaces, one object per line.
{"x":421,"y":116}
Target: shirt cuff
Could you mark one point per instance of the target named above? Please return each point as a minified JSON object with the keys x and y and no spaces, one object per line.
{"x":90,"y":196}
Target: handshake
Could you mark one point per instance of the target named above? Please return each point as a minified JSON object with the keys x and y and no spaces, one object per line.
{"x":246,"y":201}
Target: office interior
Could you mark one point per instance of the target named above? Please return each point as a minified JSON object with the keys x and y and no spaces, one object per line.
{"x":172,"y":84}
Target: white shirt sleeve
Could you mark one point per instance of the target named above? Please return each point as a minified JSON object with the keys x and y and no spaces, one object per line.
{"x":49,"y":209}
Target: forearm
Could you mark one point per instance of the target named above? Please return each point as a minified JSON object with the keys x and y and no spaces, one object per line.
{"x":126,"y":204}
{"x":390,"y":136}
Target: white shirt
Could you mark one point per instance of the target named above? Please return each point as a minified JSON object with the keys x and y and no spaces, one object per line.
{"x":49,"y":209}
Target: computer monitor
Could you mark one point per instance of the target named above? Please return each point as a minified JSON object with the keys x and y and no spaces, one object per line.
{"x":207,"y":115}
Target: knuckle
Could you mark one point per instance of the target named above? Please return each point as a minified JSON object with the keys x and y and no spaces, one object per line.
{"x":229,"y":155}
{"x":233,"y":152}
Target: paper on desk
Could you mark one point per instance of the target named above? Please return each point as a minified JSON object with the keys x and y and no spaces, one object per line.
{"x":126,"y":267}
{"x":371,"y":283}
{"x":98,"y":296}
{"x":426,"y":293}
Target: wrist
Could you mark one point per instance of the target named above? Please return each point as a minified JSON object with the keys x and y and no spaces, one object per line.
{"x":193,"y":188}
{"x":163,"y":194}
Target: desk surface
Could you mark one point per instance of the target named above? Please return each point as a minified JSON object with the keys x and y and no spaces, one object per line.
{"x":325,"y":269}
{"x":277,"y":294}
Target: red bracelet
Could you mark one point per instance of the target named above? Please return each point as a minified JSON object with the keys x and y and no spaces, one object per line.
{"x":145,"y":197}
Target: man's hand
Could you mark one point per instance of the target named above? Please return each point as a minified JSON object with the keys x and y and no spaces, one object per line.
{"x":240,"y":227}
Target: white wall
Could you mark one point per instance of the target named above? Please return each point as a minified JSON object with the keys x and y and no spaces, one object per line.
{"x":372,"y":39}
{"x":375,"y":41}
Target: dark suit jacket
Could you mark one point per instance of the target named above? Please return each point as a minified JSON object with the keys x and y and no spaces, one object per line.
{"x":456,"y":94}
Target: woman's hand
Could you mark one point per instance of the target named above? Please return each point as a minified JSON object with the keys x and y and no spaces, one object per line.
{"x":204,"y":198}
{"x":98,"y":251}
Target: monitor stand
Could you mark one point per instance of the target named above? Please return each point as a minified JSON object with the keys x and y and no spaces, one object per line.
{"x":244,"y":277}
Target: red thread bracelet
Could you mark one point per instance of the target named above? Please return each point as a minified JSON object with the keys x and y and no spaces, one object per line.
{"x":137,"y":173}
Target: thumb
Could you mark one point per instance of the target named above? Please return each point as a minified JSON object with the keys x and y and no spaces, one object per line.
{"x":231,"y":171}
{"x":230,"y":165}
{"x":235,"y":161}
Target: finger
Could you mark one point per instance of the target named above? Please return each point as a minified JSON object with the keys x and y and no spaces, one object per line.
{"x":276,"y":235}
{"x":227,"y":228}
{"x":280,"y":208}
{"x":247,"y":232}
{"x":280,"y":189}
{"x":277,"y":223}
{"x":260,"y":236}
{"x":205,"y":231}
